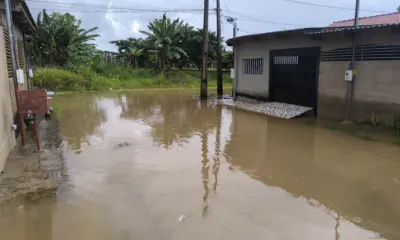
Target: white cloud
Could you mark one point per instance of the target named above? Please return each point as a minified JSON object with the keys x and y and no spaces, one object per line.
{"x":116,"y":25}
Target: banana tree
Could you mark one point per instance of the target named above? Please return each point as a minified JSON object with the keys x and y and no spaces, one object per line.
{"x":165,"y":36}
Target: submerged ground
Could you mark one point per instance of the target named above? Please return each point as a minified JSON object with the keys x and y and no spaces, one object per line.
{"x":163,"y":165}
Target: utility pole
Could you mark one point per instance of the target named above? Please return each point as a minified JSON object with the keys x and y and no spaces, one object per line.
{"x":204,"y":73}
{"x":220,"y":90}
{"x":233,"y":21}
{"x":352,"y":63}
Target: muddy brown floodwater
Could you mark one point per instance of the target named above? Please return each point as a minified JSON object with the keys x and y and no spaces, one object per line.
{"x":162,"y":165}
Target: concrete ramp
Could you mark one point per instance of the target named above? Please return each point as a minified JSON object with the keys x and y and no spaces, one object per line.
{"x":275,"y":109}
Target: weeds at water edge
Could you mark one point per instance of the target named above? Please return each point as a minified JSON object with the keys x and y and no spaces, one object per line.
{"x":396,"y":124}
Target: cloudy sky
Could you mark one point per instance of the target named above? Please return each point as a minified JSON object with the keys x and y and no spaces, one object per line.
{"x":122,"y":19}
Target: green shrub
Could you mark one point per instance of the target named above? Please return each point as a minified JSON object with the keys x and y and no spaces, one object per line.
{"x":375,"y":119}
{"x":58,"y":79}
{"x":104,"y":76}
{"x":396,"y":123}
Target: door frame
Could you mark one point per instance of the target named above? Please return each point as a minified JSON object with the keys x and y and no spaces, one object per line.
{"x":316,"y":51}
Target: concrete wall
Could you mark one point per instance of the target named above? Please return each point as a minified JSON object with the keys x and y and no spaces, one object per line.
{"x":376,"y":87}
{"x":7,"y":138}
{"x":258,"y":85}
{"x":8,"y":106}
{"x":18,"y":33}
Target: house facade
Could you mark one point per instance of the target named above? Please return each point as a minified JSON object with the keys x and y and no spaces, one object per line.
{"x":23,"y":24}
{"x":307,"y":67}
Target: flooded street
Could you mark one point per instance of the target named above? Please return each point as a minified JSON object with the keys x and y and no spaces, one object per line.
{"x":162,"y":165}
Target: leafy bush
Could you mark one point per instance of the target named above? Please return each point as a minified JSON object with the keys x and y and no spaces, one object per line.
{"x":375,"y":119}
{"x":58,"y":79}
{"x":103,"y":76}
{"x":63,"y":80}
{"x":396,"y":123}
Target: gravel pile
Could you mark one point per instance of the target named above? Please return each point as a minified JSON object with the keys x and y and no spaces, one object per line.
{"x":276,"y":109}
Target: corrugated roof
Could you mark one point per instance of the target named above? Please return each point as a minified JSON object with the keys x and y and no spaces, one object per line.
{"x":390,"y":18}
{"x":307,"y":31}
{"x":341,"y":29}
{"x":267,"y":34}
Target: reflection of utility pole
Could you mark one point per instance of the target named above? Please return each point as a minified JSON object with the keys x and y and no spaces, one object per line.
{"x":205,"y":171}
{"x":204,"y":72}
{"x":220,"y":90}
{"x":216,"y":164}
{"x":352,"y":62}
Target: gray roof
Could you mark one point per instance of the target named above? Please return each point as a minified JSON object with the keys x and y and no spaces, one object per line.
{"x":306,"y":31}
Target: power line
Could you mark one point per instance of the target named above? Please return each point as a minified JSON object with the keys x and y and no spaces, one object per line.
{"x":333,"y":7}
{"x":246,"y":18}
{"x":118,"y":11}
{"x":121,"y":9}
{"x":226,"y":5}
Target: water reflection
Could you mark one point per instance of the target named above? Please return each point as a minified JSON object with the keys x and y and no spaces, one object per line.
{"x":80,"y":118}
{"x":232,"y":174}
{"x":341,"y":175}
{"x":173,"y":117}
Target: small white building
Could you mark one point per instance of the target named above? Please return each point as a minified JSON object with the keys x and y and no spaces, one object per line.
{"x":307,"y":67}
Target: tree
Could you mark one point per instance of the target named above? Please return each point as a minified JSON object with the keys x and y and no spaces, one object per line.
{"x":60,"y":41}
{"x":165,"y":36}
{"x":227,"y":59}
{"x":398,"y":8}
{"x":130,"y":50}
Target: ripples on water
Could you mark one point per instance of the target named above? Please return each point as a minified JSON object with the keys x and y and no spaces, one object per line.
{"x":231,"y":175}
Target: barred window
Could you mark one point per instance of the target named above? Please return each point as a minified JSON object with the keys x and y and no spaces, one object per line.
{"x":286,"y":60}
{"x":8,"y":53}
{"x":253,"y":66}
{"x":21,"y":54}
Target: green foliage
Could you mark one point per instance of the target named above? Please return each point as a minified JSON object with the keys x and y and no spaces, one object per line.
{"x":59,"y":41}
{"x":131,"y":50}
{"x":375,"y":120}
{"x":63,"y":80}
{"x":165,"y":36}
{"x":170,"y":44}
{"x":396,"y":123}
{"x":105,"y":76}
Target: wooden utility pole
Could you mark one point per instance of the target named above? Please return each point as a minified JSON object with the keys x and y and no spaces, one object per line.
{"x":204,"y":72}
{"x":220,"y":88}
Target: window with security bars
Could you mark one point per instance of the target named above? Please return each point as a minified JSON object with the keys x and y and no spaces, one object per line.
{"x":286,"y":60}
{"x":253,"y":66}
{"x":8,"y":53}
{"x":21,"y":54}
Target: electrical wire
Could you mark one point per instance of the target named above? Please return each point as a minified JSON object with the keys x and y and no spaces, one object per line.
{"x":246,"y":18}
{"x":119,"y":9}
{"x":333,"y":7}
{"x":226,"y":6}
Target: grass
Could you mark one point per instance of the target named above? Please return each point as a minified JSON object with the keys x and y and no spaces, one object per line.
{"x":111,"y":76}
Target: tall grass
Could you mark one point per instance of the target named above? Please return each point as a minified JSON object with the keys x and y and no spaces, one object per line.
{"x":104,"y":76}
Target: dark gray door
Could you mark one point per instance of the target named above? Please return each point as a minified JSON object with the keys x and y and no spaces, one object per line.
{"x":294,"y":76}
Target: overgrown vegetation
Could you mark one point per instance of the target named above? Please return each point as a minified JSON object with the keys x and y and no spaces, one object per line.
{"x":396,"y":123}
{"x":375,"y":120}
{"x":59,"y":41}
{"x":170,"y":44}
{"x":67,"y":59}
{"x":112,"y":76}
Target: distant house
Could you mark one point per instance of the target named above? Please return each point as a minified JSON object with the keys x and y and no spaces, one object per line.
{"x":23,"y":24}
{"x":307,"y":67}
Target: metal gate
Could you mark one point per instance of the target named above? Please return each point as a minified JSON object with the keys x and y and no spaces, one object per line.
{"x":294,"y":76}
